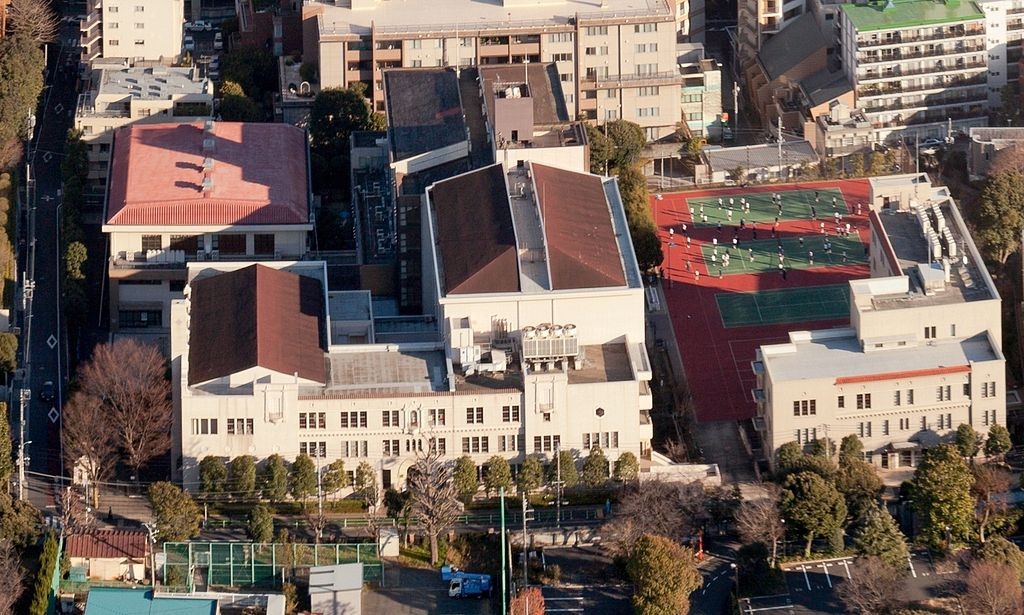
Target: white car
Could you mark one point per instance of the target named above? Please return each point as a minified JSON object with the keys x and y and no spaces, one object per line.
{"x":218,"y":41}
{"x":190,"y":43}
{"x":198,"y":26}
{"x":933,"y":142}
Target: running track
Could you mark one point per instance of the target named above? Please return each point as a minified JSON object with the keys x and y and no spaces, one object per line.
{"x":716,"y":359}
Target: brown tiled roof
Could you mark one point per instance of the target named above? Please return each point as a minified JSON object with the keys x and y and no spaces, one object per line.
{"x":582,"y":249}
{"x":256,"y":316}
{"x":475,"y":236}
{"x":107,"y":544}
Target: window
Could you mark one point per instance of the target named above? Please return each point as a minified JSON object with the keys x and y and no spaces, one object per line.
{"x":545,"y":444}
{"x":475,"y":444}
{"x":561,"y":57}
{"x":597,"y":72}
{"x":946,"y":421}
{"x":231,"y":243}
{"x":152,"y":242}
{"x":864,"y":429}
{"x":805,"y":407}
{"x":646,"y":47}
{"x":988,"y":389}
{"x":139,"y":319}
{"x":863,"y":401}
{"x":140,"y":25}
{"x":648,"y":112}
{"x":111,"y":25}
{"x":561,"y":37}
{"x":806,"y":436}
{"x":414,"y":446}
{"x":438,"y":445}
{"x":417,"y":63}
{"x":645,"y":27}
{"x":353,"y":448}
{"x":924,"y":422}
{"x":390,"y":418}
{"x":110,"y":9}
{"x":188,"y":243}
{"x":885,"y":428}
{"x":646,"y":69}
{"x":507,"y":443}
{"x":416,"y":44}
{"x":929,"y":333}
{"x":547,"y":417}
{"x":312,"y":420}
{"x":652,"y":90}
{"x":204,"y":427}
{"x":140,"y":9}
{"x":896,"y":398}
{"x":353,"y":419}
{"x":841,"y":401}
{"x":391,"y":448}
{"x":988,"y":417}
{"x":263,"y":243}
{"x":114,"y":42}
{"x":313,"y":449}
{"x":474,"y":415}
{"x":967,"y":389}
{"x":510,"y":414}
{"x":597,"y":31}
{"x":437,"y":416}
{"x":240,"y":427}
{"x":904,"y":424}
{"x":565,"y":77}
{"x":140,"y":42}
{"x":910,"y":397}
{"x":465,"y":41}
{"x":943,"y":392}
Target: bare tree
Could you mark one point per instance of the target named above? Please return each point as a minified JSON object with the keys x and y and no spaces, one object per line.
{"x":873,"y":587}
{"x":433,"y":498}
{"x":673,"y":510}
{"x":11,"y":577}
{"x":760,"y":521}
{"x":991,"y":484}
{"x":88,"y":441}
{"x":33,"y":19}
{"x":993,"y":589}
{"x":127,"y":377}
{"x":72,"y":510}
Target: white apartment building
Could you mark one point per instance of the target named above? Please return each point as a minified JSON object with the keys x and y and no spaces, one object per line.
{"x":918,"y":67}
{"x":135,"y":30}
{"x":616,"y":59}
{"x":539,"y":342}
{"x":198,"y":191}
{"x":118,"y":96}
{"x":1004,"y":30}
{"x":923,"y":352}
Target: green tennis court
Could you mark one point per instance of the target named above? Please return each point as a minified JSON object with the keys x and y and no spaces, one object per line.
{"x":796,"y":255}
{"x":769,"y":307}
{"x":796,"y":205}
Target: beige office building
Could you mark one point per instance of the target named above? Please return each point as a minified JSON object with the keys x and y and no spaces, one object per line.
{"x":133,"y":30}
{"x":616,"y":59}
{"x":922,"y":354}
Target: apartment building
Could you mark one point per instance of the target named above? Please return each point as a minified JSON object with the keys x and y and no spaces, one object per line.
{"x":917,"y":66}
{"x":757,"y":21}
{"x":615,"y":60}
{"x":1004,"y":30}
{"x":701,"y":94}
{"x":537,"y":343}
{"x":922,"y":354}
{"x":118,"y":96}
{"x":133,"y":30}
{"x":198,"y":191}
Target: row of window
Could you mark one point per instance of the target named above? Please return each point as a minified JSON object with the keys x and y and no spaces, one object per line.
{"x":113,"y":42}
{"x":114,"y":25}
{"x":225,"y":243}
{"x":113,"y":9}
{"x":391,"y":447}
{"x":943,"y":422}
{"x":393,"y":418}
{"x":943,"y":392}
{"x":606,"y":439}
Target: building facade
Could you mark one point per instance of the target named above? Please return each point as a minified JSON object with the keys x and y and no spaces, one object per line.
{"x":701,"y":94}
{"x":135,"y":30}
{"x":118,"y":96}
{"x":918,"y":67}
{"x":615,"y":61}
{"x":757,"y":21}
{"x":198,"y":191}
{"x":312,"y":371}
{"x":923,"y":351}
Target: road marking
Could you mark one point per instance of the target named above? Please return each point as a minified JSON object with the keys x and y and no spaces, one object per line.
{"x":828,"y":577}
{"x":807,"y":579}
{"x":59,"y":108}
{"x":53,"y":415}
{"x":846,"y":564}
{"x":47,"y":157}
{"x":547,"y":610}
{"x":574,"y":599}
{"x":51,"y":342}
{"x":46,"y":197}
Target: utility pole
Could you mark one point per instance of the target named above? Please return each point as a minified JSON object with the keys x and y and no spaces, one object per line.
{"x":152,"y":552}
{"x":504,"y":588}
{"x":917,"y":153}
{"x":24,"y":395}
{"x":736,"y":107}
{"x":558,"y":458}
{"x":320,"y":504}
{"x":526,"y":551}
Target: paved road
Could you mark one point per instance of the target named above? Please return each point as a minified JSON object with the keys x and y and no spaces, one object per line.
{"x":42,"y":334}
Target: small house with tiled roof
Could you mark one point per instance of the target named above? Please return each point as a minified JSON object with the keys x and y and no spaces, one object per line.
{"x":109,"y":554}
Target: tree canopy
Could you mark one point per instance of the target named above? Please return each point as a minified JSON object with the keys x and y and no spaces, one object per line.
{"x":177,"y":514}
{"x":942,"y":497}
{"x":998,"y":441}
{"x":627,"y":467}
{"x":498,"y":474}
{"x":274,"y":478}
{"x":813,"y":506}
{"x":213,"y":475}
{"x":664,"y":575}
{"x":242,"y":476}
{"x":999,"y":216}
{"x":433,"y":498}
{"x":465,"y":478}
{"x":595,"y":468}
{"x":531,"y":474}
{"x":878,"y":536}
{"x":302,"y":479}
{"x":968,"y":442}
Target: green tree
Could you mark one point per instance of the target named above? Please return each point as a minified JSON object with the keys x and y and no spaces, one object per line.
{"x":595,"y":468}
{"x":999,"y":216}
{"x":998,"y":442}
{"x":991,"y":490}
{"x":754,"y":573}
{"x":230,"y":88}
{"x":75,"y":256}
{"x":334,"y":479}
{"x":302,"y":478}
{"x":942,"y":497}
{"x":213,"y":475}
{"x":335,"y":114}
{"x":567,"y":468}
{"x":878,"y":535}
{"x":465,"y":477}
{"x":968,"y":442}
{"x":366,"y":484}
{"x":19,"y":521}
{"x":860,"y":485}
{"x":498,"y":474}
{"x":600,"y":149}
{"x":627,"y":467}
{"x":999,"y":550}
{"x":41,"y":597}
{"x":177,"y":514}
{"x":877,"y":167}
{"x":857,"y":164}
{"x":240,"y":109}
{"x":664,"y":574}
{"x":813,"y":507}
{"x":254,"y":69}
{"x":788,"y":455}
{"x":261,"y":524}
{"x":274,"y":478}
{"x":642,"y":230}
{"x":21,"y":82}
{"x":627,"y":140}
{"x":242,"y":476}
{"x":6,"y":450}
{"x":531,"y":475}
{"x":850,"y":449}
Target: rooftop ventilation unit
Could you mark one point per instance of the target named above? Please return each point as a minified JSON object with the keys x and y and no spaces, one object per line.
{"x":208,"y":126}
{"x":207,"y":184}
{"x":207,"y":164}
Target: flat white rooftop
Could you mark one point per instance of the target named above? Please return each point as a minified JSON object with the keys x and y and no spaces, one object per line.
{"x":837,"y":354}
{"x":401,"y":16}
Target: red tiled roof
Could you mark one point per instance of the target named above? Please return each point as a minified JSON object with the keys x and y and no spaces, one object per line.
{"x":475,"y":236}
{"x":107,"y":544}
{"x":582,"y":250}
{"x":256,"y":316}
{"x":916,"y":373}
{"x":258,"y":175}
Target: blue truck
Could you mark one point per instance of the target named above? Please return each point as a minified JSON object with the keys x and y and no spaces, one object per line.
{"x":466,"y":584}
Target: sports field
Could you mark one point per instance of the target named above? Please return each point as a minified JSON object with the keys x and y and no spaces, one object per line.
{"x":769,"y":307}
{"x":796,"y":205}
{"x":763,"y":255}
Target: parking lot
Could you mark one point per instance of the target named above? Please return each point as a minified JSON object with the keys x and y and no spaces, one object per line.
{"x":415,"y":591}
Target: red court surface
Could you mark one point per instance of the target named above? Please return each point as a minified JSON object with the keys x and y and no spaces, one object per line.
{"x":717,"y":359}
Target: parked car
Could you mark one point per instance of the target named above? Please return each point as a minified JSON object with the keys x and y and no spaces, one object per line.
{"x":931,"y":142}
{"x":198,"y":26}
{"x":214,"y":63}
{"x":218,"y":41}
{"x":190,"y":43}
{"x":46,"y":393}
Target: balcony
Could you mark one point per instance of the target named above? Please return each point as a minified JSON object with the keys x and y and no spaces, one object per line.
{"x":974,"y":113}
{"x":176,"y":259}
{"x":612,"y":82}
{"x":887,"y":89}
{"x":904,"y":39}
{"x":900,"y":55}
{"x":898,"y":72}
{"x":929,"y":103}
